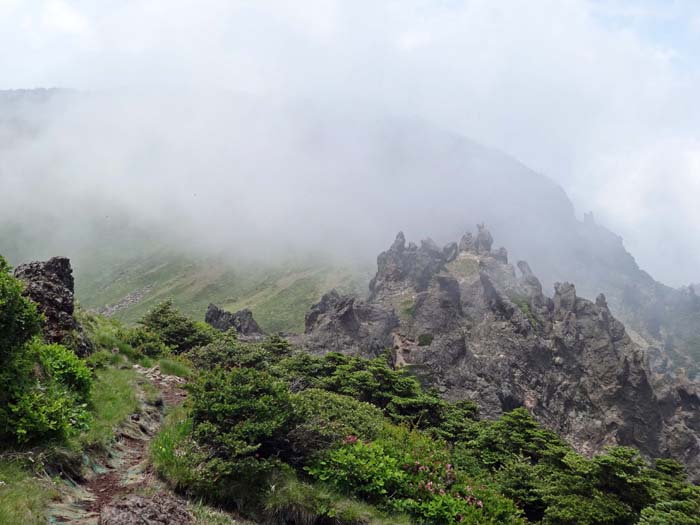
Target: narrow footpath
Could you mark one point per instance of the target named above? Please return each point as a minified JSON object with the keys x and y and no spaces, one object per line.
{"x":121,"y":487}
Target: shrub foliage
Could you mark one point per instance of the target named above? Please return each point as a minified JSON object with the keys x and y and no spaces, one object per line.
{"x":44,"y":389}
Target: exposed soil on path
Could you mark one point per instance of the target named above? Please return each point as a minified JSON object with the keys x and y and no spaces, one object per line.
{"x":115,"y":488}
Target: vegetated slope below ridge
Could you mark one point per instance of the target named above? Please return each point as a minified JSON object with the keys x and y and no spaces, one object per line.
{"x":279,"y":294}
{"x":464,"y":322}
{"x":431,"y":182}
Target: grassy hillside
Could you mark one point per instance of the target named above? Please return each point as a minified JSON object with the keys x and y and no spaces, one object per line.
{"x":279,"y":295}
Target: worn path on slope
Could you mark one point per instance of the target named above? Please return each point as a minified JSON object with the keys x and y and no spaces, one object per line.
{"x":124,"y":488}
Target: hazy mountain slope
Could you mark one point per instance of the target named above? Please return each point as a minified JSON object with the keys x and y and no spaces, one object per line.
{"x":300,"y":179}
{"x":278,"y":294}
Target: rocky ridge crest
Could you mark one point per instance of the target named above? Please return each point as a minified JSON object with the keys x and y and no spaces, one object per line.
{"x":466,"y":322}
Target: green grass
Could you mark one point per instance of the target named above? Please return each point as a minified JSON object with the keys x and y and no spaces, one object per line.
{"x":173,"y":367}
{"x":113,"y":399}
{"x":205,"y":515}
{"x":279,"y":294}
{"x":464,"y":267}
{"x":408,"y":307}
{"x":23,"y":498}
{"x":294,"y":501}
{"x":164,"y":448}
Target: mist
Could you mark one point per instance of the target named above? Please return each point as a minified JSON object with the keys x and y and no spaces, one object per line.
{"x":258,"y":129}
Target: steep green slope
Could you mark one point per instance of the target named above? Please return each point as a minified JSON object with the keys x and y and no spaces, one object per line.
{"x":278,"y":294}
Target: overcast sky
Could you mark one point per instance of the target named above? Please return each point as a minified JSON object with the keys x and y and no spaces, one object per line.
{"x":599,"y":95}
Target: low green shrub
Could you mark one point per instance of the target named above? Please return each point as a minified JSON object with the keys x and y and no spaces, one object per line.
{"x":410,"y":472}
{"x":425,"y":339}
{"x":143,"y":341}
{"x":102,"y":359}
{"x":176,"y":331}
{"x":63,"y":366}
{"x":240,"y":412}
{"x":323,"y":419}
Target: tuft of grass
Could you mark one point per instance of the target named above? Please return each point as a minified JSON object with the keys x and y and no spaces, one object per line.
{"x":175,"y":367}
{"x":465,"y":267}
{"x":206,"y":515}
{"x":176,"y":428}
{"x":295,"y":501}
{"x":408,"y":307}
{"x":425,"y":339}
{"x":113,"y":400}
{"x":524,"y":307}
{"x":23,"y":498}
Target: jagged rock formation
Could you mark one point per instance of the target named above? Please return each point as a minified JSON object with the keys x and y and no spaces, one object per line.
{"x":341,"y":323}
{"x":664,"y":320}
{"x":472,"y":327}
{"x":241,"y":321}
{"x":50,"y":285}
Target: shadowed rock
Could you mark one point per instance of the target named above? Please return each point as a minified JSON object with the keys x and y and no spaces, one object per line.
{"x":50,"y":285}
{"x":241,"y":321}
{"x":345,"y":323}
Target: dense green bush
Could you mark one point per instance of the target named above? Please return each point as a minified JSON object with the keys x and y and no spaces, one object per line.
{"x":226,"y":351}
{"x":408,"y":471}
{"x":240,"y":412}
{"x":399,"y":394}
{"x":44,"y":389}
{"x":19,"y":319}
{"x":144,"y":341}
{"x":66,"y":368}
{"x":323,"y":419}
{"x":176,"y":331}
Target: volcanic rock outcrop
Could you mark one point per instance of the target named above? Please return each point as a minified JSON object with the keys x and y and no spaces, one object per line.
{"x":467,"y":324}
{"x":241,"y":321}
{"x":50,"y":285}
{"x":342,"y":323}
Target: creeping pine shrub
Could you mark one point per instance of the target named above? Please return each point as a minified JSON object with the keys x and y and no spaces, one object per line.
{"x":240,"y":412}
{"x":397,"y":393}
{"x":226,"y":351}
{"x":175,"y":330}
{"x":323,"y":419}
{"x":43,"y":388}
{"x":239,"y":418}
{"x":144,"y":341}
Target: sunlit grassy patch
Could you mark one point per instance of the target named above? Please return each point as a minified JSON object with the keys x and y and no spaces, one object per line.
{"x":164,"y":448}
{"x":23,"y":498}
{"x":113,"y":399}
{"x":175,"y":367}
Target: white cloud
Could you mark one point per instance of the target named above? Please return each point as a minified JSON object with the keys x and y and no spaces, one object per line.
{"x":575,"y":89}
{"x":60,"y":16}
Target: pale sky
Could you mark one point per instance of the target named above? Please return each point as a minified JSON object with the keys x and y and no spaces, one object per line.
{"x":599,"y":95}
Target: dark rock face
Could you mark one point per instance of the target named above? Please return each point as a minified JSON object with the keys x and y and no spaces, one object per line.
{"x":343,"y":323}
{"x":473,"y":328}
{"x":241,"y":321}
{"x":50,"y":285}
{"x":161,"y":509}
